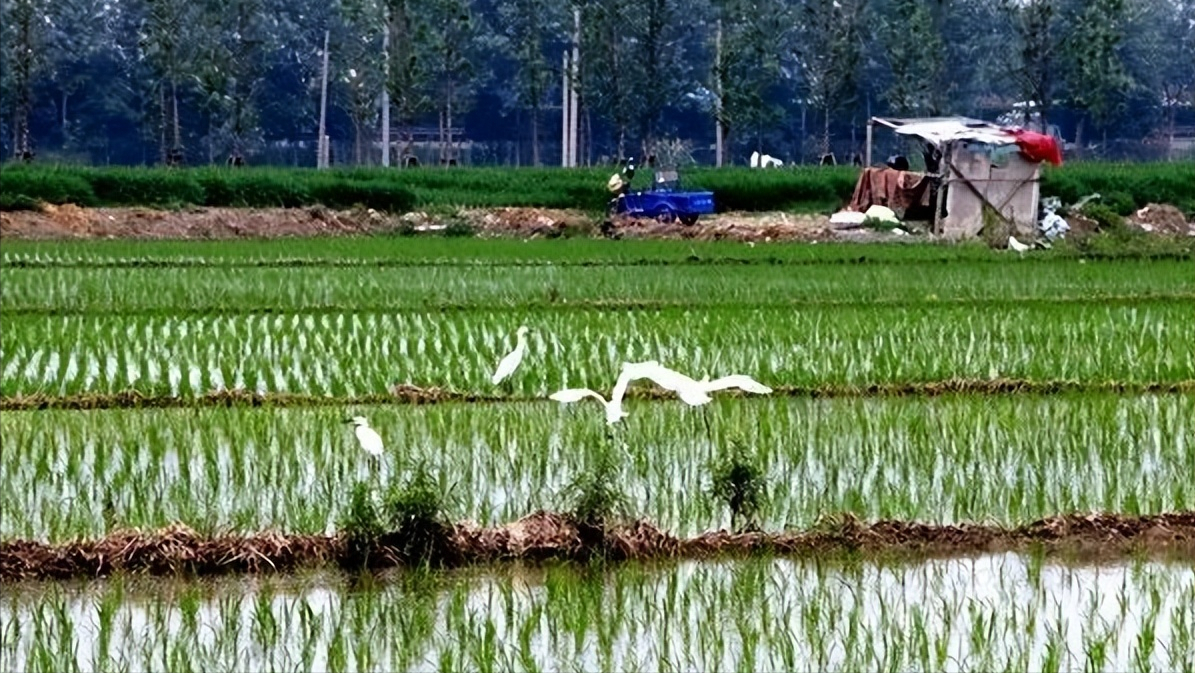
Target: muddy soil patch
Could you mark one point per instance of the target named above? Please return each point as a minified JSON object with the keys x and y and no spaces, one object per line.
{"x":73,"y":222}
{"x":548,"y":535}
{"x":70,"y":221}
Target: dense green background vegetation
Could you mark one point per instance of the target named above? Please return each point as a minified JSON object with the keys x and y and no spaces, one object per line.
{"x":1123,"y":186}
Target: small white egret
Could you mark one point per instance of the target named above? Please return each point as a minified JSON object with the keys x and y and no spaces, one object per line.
{"x":740,"y":381}
{"x":367,"y":437}
{"x":1014,"y":244}
{"x":511,"y":362}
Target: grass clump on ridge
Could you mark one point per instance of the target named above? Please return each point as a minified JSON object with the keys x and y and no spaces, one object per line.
{"x":739,"y":482}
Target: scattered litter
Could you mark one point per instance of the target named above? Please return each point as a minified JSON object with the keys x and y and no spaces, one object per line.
{"x":847,"y":217}
{"x":881,"y":213}
{"x":1052,"y":225}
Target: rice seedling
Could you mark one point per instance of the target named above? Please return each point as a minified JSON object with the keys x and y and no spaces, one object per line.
{"x":354,"y":354}
{"x":948,"y":459}
{"x":368,"y":287}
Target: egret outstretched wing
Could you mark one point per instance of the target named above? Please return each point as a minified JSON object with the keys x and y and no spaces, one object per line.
{"x":613,"y":407}
{"x":740,"y":381}
{"x":688,"y":389}
{"x":570,"y":395}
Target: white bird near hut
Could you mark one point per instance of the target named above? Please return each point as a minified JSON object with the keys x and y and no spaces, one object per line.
{"x":510,"y":363}
{"x":1014,"y":244}
{"x":367,"y":437}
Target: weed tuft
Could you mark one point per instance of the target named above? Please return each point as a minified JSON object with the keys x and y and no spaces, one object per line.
{"x":361,"y":526}
{"x":740,"y":483}
{"x":595,"y":501}
{"x":416,"y":512}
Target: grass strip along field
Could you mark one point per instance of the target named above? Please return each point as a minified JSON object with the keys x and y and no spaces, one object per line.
{"x":1124,"y":187}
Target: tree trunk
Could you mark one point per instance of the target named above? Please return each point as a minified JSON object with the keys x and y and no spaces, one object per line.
{"x":443,"y":150}
{"x":356,"y":141}
{"x":535,"y":135}
{"x":163,"y":156}
{"x":1078,"y":135}
{"x":66,"y":133}
{"x":448,"y":119}
{"x":826,"y":132}
{"x":178,"y":136}
{"x":24,"y":103}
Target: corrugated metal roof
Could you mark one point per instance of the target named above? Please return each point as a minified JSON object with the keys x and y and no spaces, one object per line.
{"x":943,"y":129}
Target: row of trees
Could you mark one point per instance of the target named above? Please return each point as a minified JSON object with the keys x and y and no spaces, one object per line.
{"x":167,"y":81}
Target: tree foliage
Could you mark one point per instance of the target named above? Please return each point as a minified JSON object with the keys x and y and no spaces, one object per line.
{"x":162,"y":81}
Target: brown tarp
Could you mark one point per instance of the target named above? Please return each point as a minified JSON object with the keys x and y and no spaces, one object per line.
{"x":898,"y":190}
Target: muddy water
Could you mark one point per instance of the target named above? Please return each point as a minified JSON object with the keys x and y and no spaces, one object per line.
{"x":984,"y":613}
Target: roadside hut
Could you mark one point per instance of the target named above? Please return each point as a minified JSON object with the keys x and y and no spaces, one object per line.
{"x":978,"y":174}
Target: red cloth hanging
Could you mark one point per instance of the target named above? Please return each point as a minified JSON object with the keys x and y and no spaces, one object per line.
{"x":1038,"y":146}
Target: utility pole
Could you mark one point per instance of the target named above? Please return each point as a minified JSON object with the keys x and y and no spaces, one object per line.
{"x":321,"y":159}
{"x":574,"y":98}
{"x":570,"y":102}
{"x":564,"y":116}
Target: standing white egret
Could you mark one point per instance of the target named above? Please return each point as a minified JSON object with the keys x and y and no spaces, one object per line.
{"x":367,"y":437}
{"x":511,"y":362}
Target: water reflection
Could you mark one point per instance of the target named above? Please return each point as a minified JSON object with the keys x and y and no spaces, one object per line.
{"x":990,"y":612}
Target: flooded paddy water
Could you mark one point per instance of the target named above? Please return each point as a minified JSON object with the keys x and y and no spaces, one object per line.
{"x":977,"y":613}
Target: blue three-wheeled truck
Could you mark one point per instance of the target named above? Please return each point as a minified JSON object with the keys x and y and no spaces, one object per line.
{"x":664,"y":202}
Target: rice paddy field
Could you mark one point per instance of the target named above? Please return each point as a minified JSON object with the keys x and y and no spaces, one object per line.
{"x":147,"y":384}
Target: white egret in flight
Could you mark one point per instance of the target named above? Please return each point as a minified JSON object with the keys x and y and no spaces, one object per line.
{"x":689,"y":390}
{"x":511,"y":362}
{"x":740,"y":381}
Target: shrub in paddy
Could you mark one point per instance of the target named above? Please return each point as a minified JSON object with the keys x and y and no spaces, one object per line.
{"x":361,"y":526}
{"x":738,"y":481}
{"x":595,"y":501}
{"x":416,"y":515}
